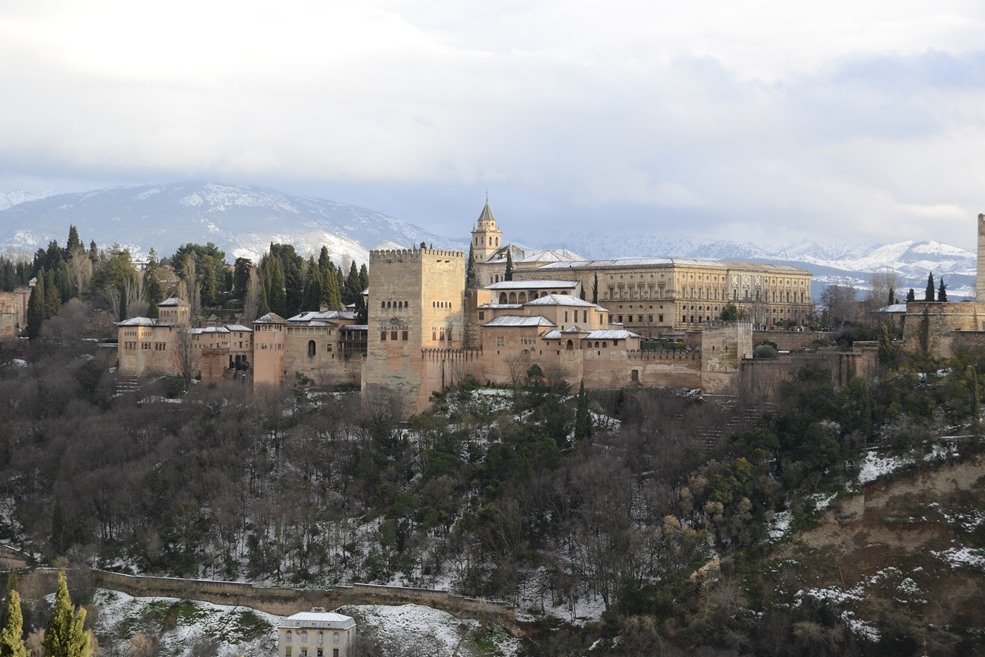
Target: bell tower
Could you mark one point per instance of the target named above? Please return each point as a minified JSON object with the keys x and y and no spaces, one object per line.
{"x":486,"y":236}
{"x":980,"y":272}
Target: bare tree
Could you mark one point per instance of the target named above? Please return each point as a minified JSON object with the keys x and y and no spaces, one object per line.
{"x":840,"y":305}
{"x":184,"y":352}
{"x":251,"y":301}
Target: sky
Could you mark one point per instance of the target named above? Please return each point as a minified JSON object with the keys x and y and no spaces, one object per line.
{"x":761,"y":120}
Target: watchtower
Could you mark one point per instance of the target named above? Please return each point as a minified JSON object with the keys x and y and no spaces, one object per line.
{"x":486,"y":235}
{"x":416,"y":299}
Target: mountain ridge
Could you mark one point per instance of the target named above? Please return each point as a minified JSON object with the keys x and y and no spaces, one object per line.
{"x":243,"y":219}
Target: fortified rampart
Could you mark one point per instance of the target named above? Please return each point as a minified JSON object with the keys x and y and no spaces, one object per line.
{"x":281,"y":601}
{"x":762,"y":379}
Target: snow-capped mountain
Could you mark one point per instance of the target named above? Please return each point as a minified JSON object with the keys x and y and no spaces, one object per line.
{"x":244,"y":220}
{"x":831,"y":263}
{"x":240,"y":220}
{"x":17,"y":196}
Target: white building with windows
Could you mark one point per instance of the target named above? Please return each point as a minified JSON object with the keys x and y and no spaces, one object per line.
{"x":316,"y":633}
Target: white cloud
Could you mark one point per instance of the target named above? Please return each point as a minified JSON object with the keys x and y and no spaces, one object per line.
{"x":859,"y":117}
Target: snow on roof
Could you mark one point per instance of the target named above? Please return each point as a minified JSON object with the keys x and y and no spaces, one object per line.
{"x":532,"y":285}
{"x":269,"y":318}
{"x":610,"y":334}
{"x":501,"y":306}
{"x":528,"y":255}
{"x":313,"y":315}
{"x":636,"y":263}
{"x":238,"y":327}
{"x":322,"y":619}
{"x":356,"y":327}
{"x":172,"y":301}
{"x":140,"y":321}
{"x":894,"y":308}
{"x":561,"y":300}
{"x":208,"y":329}
{"x":519,"y":321}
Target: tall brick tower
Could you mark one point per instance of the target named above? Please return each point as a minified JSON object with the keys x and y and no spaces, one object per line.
{"x":415,"y":304}
{"x":980,"y":277}
{"x":486,"y":235}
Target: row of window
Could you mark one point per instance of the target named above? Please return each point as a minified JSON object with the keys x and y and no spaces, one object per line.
{"x":320,"y":652}
{"x":404,"y":335}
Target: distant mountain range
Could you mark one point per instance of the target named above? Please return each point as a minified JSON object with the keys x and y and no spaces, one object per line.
{"x":244,"y":220}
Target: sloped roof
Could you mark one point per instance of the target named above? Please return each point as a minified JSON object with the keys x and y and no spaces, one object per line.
{"x":501,"y":306}
{"x":562,"y":300}
{"x":611,"y":334}
{"x":532,"y":285}
{"x":141,"y":321}
{"x":518,"y":321}
{"x":328,"y":315}
{"x":894,"y":308}
{"x":525,"y":254}
{"x":486,"y":214}
{"x":238,"y":328}
{"x":172,"y":301}
{"x":323,"y":619}
{"x":636,"y":263}
{"x":269,"y":318}
{"x":208,"y":329}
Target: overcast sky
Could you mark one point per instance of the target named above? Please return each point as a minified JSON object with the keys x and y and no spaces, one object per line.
{"x":835,"y":120}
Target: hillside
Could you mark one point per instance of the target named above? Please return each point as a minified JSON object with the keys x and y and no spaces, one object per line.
{"x":243,"y":220}
{"x":240,"y":220}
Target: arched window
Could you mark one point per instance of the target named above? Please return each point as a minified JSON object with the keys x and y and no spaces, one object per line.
{"x":311,"y":348}
{"x":512,"y":297}
{"x":569,"y":346}
{"x":502,"y":297}
{"x":522,"y":298}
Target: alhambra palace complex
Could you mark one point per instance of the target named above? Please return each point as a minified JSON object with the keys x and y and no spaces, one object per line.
{"x":426,"y":330}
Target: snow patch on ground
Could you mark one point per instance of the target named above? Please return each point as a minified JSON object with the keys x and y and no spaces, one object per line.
{"x":780,"y":525}
{"x":875,"y":466}
{"x":180,"y":626}
{"x":962,"y":557}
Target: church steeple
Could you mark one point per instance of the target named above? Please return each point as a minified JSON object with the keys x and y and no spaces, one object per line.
{"x":486,"y":235}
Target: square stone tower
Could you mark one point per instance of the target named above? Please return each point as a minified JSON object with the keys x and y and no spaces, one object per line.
{"x":416,"y":299}
{"x":980,"y":275}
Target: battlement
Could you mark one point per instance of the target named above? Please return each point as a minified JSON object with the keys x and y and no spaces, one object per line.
{"x":664,"y":355}
{"x":412,"y":254}
{"x":451,"y":354}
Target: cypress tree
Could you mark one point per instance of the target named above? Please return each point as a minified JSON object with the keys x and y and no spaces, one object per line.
{"x":155,"y":294}
{"x":311,"y":298}
{"x":59,"y":541}
{"x":595,"y":289}
{"x":929,"y":294}
{"x":93,"y":252}
{"x":583,"y":417}
{"x":53,"y":301}
{"x":353,"y":288}
{"x":911,"y":296}
{"x":324,"y":260}
{"x":263,"y":306}
{"x":293,"y":289}
{"x":276,"y":297}
{"x":12,"y":634}
{"x":892,"y":296}
{"x":942,"y":291}
{"x":331,"y":296}
{"x":73,"y":239}
{"x":509,"y":265}
{"x":36,"y":307}
{"x":65,"y":635}
{"x":363,"y":279}
{"x":470,"y":270}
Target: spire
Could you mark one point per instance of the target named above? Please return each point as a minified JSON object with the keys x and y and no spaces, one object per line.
{"x":487,"y":213}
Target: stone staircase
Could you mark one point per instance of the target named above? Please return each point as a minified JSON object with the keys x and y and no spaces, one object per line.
{"x":126,"y":384}
{"x":738,"y":417}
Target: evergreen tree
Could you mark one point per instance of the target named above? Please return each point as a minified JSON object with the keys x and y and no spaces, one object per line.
{"x":331,"y":296}
{"x":911,"y":296}
{"x":929,"y":295}
{"x":241,"y":277}
{"x":583,"y":417}
{"x":73,"y":239}
{"x":276,"y":297}
{"x":53,"y":300}
{"x":324,"y":260}
{"x":210,"y":286}
{"x":153,"y":292}
{"x":93,"y":252}
{"x":892,"y":296}
{"x":12,"y":634}
{"x":59,"y":537}
{"x":470,"y":270}
{"x":293,"y":289}
{"x":509,"y":265}
{"x":36,"y":308}
{"x":353,"y":287}
{"x":595,"y":289}
{"x":263,"y":306}
{"x":12,"y":580}
{"x":363,"y":279}
{"x":312,"y":296}
{"x":942,"y":291}
{"x":65,"y":635}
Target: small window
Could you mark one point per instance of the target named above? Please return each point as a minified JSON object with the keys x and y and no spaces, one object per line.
{"x":404,"y":335}
{"x":393,"y":335}
{"x":382,"y":336}
{"x":311,"y":348}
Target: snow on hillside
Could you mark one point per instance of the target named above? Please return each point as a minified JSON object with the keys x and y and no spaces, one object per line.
{"x":18,"y":196}
{"x":182,"y":628}
{"x":241,"y":220}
